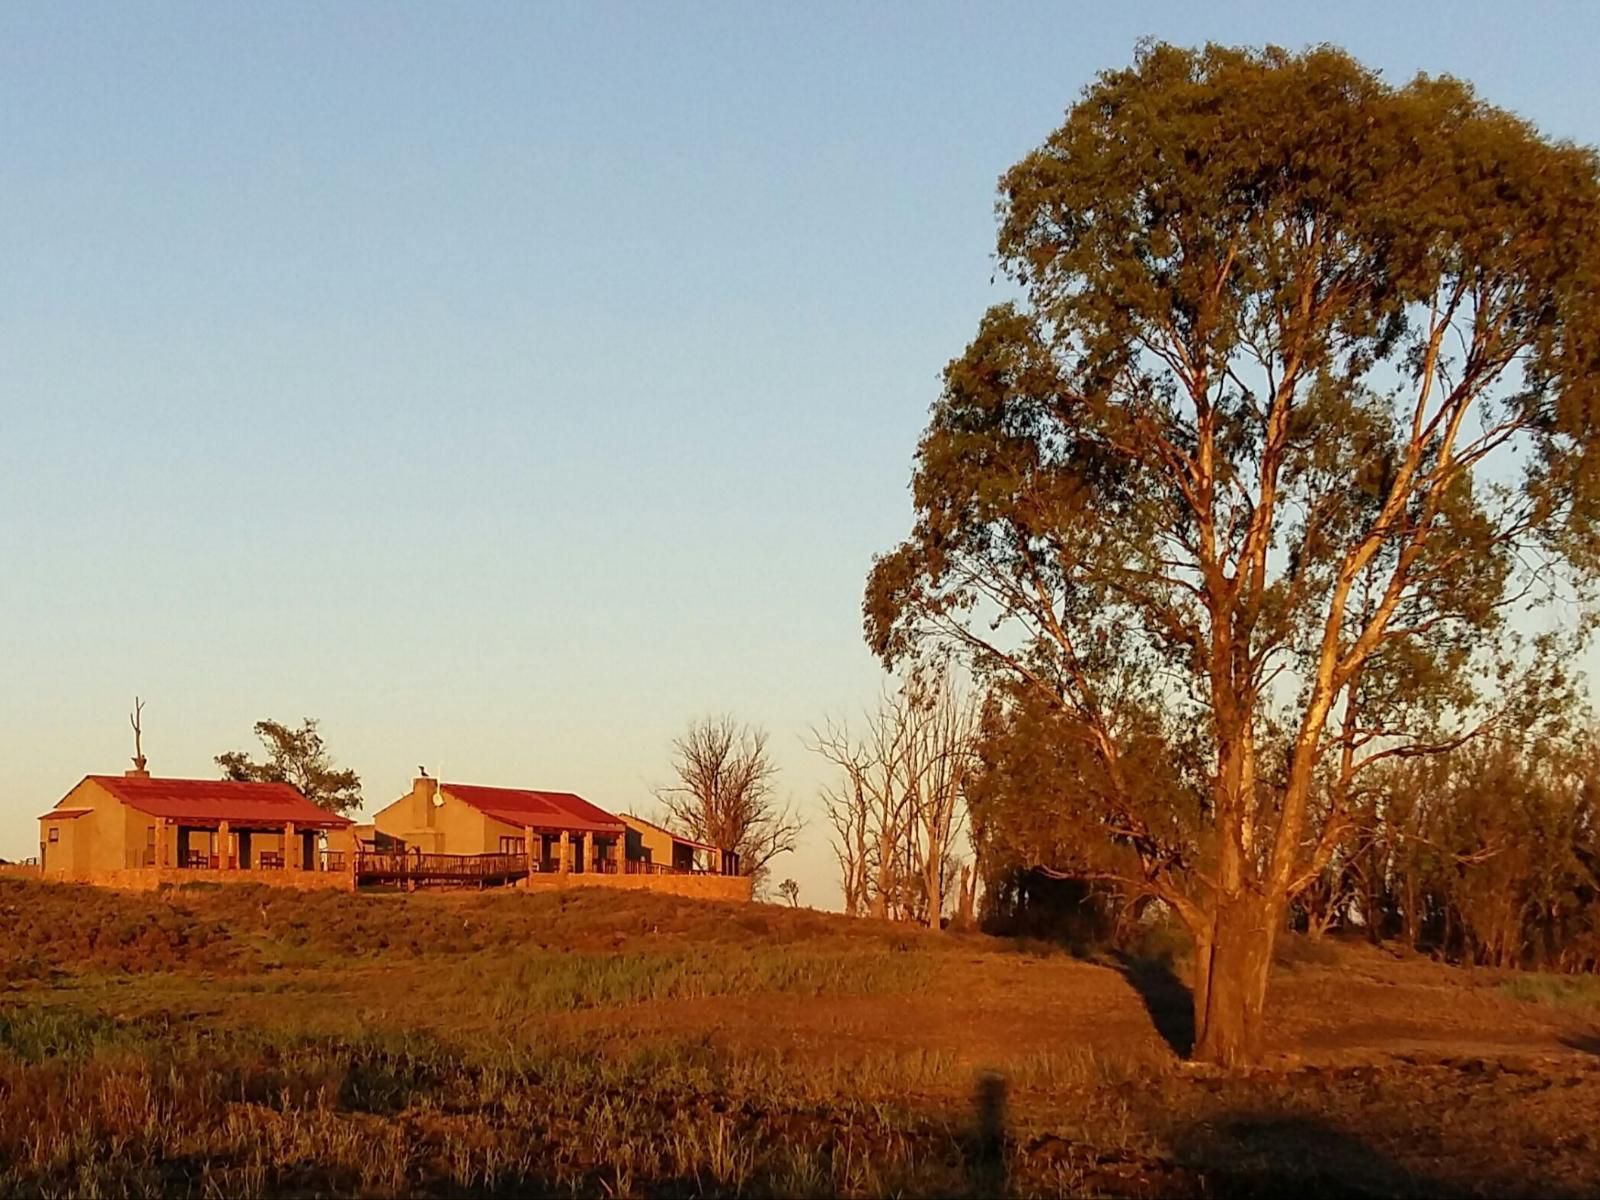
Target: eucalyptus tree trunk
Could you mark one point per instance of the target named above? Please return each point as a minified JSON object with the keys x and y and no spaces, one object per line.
{"x":1231,"y":986}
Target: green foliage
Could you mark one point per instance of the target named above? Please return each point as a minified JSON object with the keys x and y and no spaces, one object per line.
{"x":38,"y":1034}
{"x":298,"y":757}
{"x":1490,"y":854}
{"x":1297,"y":414}
{"x":1039,"y":791}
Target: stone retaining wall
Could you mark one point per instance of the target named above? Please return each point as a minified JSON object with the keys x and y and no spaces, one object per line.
{"x":147,"y":879}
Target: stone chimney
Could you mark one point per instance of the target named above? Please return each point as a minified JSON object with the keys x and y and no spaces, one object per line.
{"x":425,"y":788}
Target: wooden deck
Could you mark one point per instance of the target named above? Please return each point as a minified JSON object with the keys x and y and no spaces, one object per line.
{"x":413,"y":868}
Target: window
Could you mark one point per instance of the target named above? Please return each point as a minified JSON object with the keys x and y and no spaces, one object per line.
{"x":55,"y":833}
{"x":512,"y":845}
{"x":150,"y":835}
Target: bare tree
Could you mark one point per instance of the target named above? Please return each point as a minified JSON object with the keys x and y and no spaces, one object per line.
{"x":977,"y":840}
{"x":871,"y":811}
{"x":899,"y":806}
{"x":725,"y":793}
{"x":849,"y":812}
{"x":940,"y":754}
{"x":967,"y":895}
{"x":885,"y":752}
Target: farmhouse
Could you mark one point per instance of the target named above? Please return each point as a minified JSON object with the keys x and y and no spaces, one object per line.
{"x":552,"y":832}
{"x":458,"y":818}
{"x":136,"y":829}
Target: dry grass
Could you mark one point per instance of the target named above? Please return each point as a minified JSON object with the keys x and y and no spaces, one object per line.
{"x":58,"y":927}
{"x":1562,"y":991}
{"x":242,"y":1041}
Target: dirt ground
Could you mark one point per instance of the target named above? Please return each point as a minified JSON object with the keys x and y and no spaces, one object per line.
{"x":987,"y":1008}
{"x":1387,"y":1073}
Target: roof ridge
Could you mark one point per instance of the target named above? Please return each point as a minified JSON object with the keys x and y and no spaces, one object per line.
{"x":500,"y":787}
{"x":150,"y":779}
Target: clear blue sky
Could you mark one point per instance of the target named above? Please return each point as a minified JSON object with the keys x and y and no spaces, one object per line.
{"x":505,"y":385}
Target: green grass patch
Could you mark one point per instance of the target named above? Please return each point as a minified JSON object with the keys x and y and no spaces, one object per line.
{"x":554,"y":982}
{"x":1559,"y":991}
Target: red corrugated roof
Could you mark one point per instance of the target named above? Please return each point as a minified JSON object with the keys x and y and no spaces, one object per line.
{"x":65,"y":814}
{"x":542,"y":810}
{"x":211,"y":800}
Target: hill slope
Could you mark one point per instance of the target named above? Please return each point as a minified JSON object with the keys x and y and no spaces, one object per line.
{"x":249,"y":1040}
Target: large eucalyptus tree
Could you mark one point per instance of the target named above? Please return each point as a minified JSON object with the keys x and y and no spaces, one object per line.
{"x":1296,"y":413}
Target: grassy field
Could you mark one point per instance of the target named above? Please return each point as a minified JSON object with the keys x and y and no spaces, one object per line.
{"x":222,"y":1041}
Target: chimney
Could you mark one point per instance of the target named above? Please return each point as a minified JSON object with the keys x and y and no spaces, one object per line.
{"x":425,"y":789}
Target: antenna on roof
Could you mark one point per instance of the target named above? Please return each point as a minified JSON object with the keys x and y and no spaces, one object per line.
{"x":134,"y":719}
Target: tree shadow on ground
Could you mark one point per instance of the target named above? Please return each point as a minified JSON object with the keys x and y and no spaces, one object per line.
{"x":1589,"y":1043}
{"x":1266,"y":1153}
{"x":986,"y":1152}
{"x":1246,"y":1151}
{"x":1261,"y":1152}
{"x":1167,"y":999}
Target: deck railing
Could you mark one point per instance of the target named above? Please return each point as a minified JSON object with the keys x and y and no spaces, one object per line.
{"x":634,"y":867}
{"x":413,"y":866}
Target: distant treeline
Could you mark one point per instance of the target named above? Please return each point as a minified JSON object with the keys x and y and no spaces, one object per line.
{"x":1489,"y":855}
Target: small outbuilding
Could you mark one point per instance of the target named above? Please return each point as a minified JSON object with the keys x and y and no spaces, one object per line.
{"x":656,"y":848}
